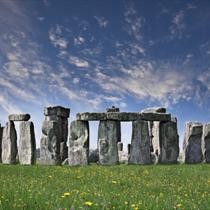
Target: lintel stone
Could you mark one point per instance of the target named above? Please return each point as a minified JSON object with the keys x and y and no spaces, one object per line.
{"x":19,"y":117}
{"x":56,"y":110}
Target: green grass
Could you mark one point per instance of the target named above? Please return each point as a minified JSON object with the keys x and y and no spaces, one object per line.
{"x":156,"y":186}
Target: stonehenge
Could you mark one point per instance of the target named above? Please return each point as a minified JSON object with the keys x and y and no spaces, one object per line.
{"x":154,"y":139}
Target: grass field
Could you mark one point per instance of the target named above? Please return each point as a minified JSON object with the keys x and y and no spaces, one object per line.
{"x":156,"y":186}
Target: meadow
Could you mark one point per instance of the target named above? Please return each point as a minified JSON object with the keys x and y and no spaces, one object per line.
{"x":155,"y":186}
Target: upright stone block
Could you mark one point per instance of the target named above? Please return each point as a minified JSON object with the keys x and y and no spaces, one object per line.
{"x":113,"y":109}
{"x":107,"y":143}
{"x":78,"y":143}
{"x":140,"y":143}
{"x":205,"y":143}
{"x":50,"y":143}
{"x":9,"y":143}
{"x":169,"y":143}
{"x":27,"y":143}
{"x":192,"y":152}
{"x":120,"y":146}
{"x":128,"y":148}
{"x":1,"y":133}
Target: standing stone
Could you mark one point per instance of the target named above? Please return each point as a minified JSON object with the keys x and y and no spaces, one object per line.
{"x":140,"y":143}
{"x":192,"y":152}
{"x":59,"y":114}
{"x":107,"y":143}
{"x":78,"y":143}
{"x":205,"y":143}
{"x":169,"y":143}
{"x":93,"y":156}
{"x":113,"y":109}
{"x":9,"y":143}
{"x":120,"y":146}
{"x":50,"y":143}
{"x":123,"y":156}
{"x":154,"y":132}
{"x":27,"y":143}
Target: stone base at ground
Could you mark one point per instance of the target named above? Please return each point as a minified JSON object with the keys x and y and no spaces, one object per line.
{"x":205,"y":143}
{"x":27,"y":143}
{"x":123,"y":156}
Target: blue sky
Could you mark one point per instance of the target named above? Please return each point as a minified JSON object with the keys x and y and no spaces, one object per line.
{"x":90,"y":55}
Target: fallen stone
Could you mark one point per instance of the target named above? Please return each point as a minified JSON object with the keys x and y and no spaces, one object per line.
{"x":93,"y":156}
{"x":120,"y":146}
{"x":78,"y":143}
{"x":123,"y":156}
{"x":140,"y":143}
{"x":27,"y":143}
{"x":192,"y":152}
{"x":107,"y":143}
{"x":169,"y":143}
{"x":50,"y":143}
{"x":19,"y":117}
{"x":9,"y":143}
{"x":56,"y":110}
{"x":65,"y":162}
{"x":205,"y":143}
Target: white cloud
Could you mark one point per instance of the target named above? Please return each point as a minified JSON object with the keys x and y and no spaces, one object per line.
{"x":118,"y":44}
{"x":190,"y":6}
{"x":40,"y":18}
{"x":92,"y":39}
{"x":123,"y":104}
{"x":81,"y":39}
{"x":178,"y":18}
{"x":208,"y":52}
{"x":101,"y":21}
{"x":76,"y":42}
{"x":76,"y":80}
{"x":78,"y":62}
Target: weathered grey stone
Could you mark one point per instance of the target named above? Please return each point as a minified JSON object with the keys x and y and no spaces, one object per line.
{"x":27,"y":143}
{"x":107,"y":143}
{"x":113,"y":109}
{"x":140,"y":143}
{"x":154,"y":109}
{"x":154,"y":157}
{"x":128,"y":148}
{"x":1,"y":133}
{"x":93,"y":156}
{"x":19,"y":117}
{"x":65,"y":162}
{"x":205,"y":143}
{"x":78,"y":143}
{"x":192,"y":152}
{"x":174,"y":119}
{"x":63,"y":151}
{"x":169,"y":143}
{"x":56,"y":110}
{"x":50,"y":143}
{"x":89,"y":116}
{"x":9,"y":143}
{"x":120,"y":146}
{"x":123,"y":156}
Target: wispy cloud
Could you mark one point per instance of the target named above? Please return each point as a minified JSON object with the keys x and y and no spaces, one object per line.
{"x":56,"y":40}
{"x":78,"y":62}
{"x":101,"y":21}
{"x":40,"y":18}
{"x":191,"y":6}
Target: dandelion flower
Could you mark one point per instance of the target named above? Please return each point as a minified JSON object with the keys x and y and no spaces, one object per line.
{"x":88,"y":203}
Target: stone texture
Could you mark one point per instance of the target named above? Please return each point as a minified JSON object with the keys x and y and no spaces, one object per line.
{"x":94,"y":156}
{"x":56,"y":110}
{"x":123,"y":156}
{"x":1,"y":133}
{"x":50,"y":143}
{"x":140,"y":143}
{"x":63,"y":151}
{"x":120,"y":146}
{"x":113,"y":109}
{"x":19,"y":117}
{"x":192,"y":152}
{"x":78,"y":143}
{"x":9,"y":143}
{"x":65,"y":162}
{"x":27,"y":143}
{"x":154,"y":109}
{"x":205,"y":143}
{"x":169,"y":143}
{"x":107,"y":143}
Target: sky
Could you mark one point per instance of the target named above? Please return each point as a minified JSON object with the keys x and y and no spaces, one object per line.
{"x":91,"y":55}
